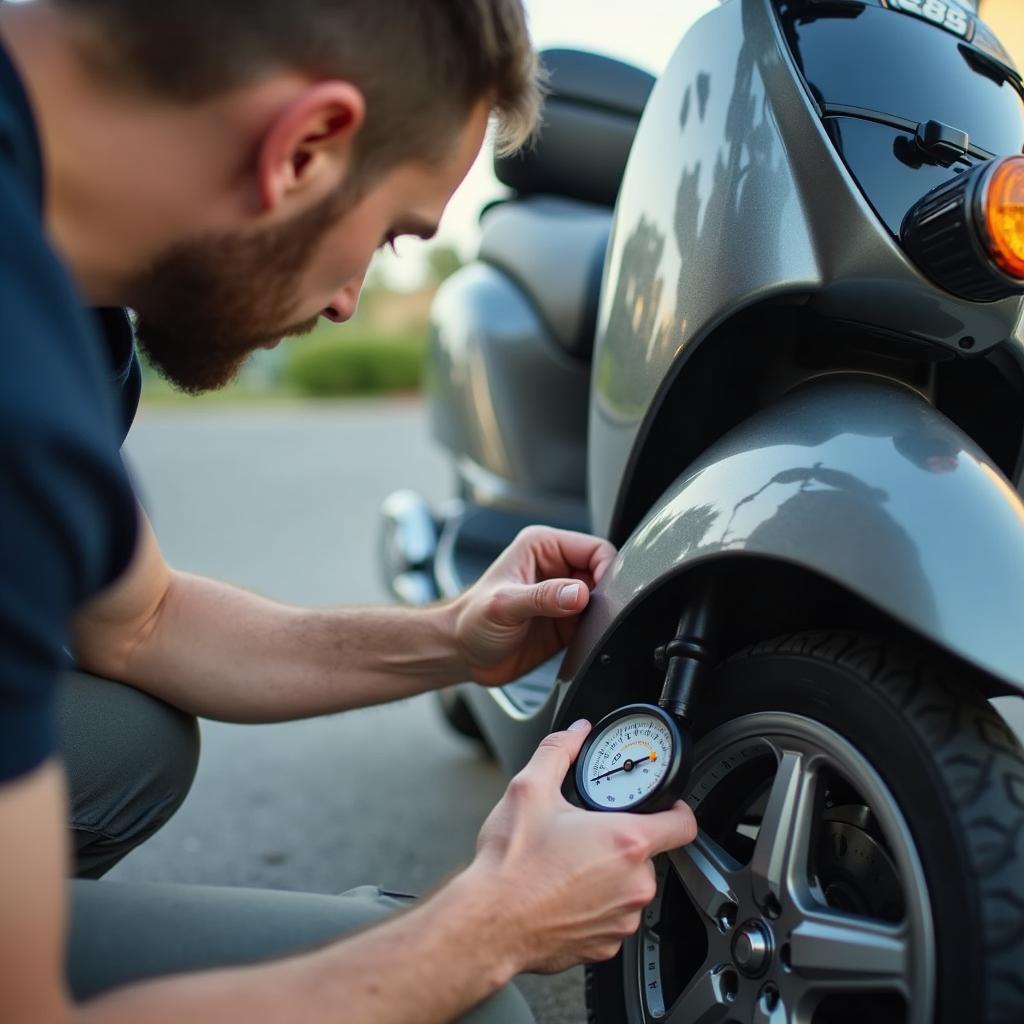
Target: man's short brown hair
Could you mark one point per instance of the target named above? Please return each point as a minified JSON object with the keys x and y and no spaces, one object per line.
{"x":422,"y":65}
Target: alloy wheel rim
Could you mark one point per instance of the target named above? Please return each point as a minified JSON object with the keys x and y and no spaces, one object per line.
{"x":776,"y":949}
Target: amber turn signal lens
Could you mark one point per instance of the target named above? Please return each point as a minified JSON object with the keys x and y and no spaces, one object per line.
{"x":1004,"y":216}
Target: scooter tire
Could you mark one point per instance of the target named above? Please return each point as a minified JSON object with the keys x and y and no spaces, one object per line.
{"x":956,"y":773}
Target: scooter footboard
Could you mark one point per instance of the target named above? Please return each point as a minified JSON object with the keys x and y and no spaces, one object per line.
{"x":863,"y":483}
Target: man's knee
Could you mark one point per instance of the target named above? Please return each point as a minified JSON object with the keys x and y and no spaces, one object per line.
{"x":130,"y":761}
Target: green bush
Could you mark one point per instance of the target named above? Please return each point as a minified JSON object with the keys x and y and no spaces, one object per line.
{"x":328,"y":364}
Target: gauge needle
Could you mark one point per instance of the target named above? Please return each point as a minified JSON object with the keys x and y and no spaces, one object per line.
{"x":626,"y":766}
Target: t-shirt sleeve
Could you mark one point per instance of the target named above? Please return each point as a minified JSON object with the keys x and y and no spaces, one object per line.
{"x":55,"y":550}
{"x":67,"y":514}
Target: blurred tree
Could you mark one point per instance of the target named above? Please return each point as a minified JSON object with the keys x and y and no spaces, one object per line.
{"x":374,"y":284}
{"x":443,"y":261}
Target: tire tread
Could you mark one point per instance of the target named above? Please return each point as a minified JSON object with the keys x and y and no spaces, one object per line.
{"x":982,"y":765}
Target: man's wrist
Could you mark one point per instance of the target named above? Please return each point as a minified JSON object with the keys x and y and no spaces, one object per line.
{"x":445,"y":621}
{"x":473,"y":906}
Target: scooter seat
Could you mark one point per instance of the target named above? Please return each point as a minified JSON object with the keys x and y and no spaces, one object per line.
{"x":554,"y":249}
{"x":591,"y":114}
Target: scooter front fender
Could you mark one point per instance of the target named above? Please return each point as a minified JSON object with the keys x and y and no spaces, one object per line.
{"x":858,"y":480}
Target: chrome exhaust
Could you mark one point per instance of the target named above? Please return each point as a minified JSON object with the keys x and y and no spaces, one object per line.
{"x":408,"y":544}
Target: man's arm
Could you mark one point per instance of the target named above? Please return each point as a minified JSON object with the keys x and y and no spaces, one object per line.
{"x":551,"y":885}
{"x":220,"y":652}
{"x":33,"y":869}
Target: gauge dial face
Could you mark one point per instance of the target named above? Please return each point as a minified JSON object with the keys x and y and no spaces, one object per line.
{"x":626,"y":761}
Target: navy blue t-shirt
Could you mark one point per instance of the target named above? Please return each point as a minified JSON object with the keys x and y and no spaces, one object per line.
{"x":68,"y":518}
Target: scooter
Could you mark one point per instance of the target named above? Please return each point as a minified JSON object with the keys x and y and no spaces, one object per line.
{"x":760,"y":325}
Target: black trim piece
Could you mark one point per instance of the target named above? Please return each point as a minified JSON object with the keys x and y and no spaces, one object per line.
{"x":984,"y":63}
{"x":892,"y":121}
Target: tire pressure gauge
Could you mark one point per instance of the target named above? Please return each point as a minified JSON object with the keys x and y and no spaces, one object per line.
{"x":636,"y":759}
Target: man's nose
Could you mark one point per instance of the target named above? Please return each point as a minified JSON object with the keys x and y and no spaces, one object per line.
{"x":343,"y":305}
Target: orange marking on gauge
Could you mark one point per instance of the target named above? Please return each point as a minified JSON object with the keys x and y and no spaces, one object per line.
{"x":654,"y":756}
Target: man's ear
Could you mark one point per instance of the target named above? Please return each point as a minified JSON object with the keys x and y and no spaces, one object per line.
{"x":308,"y":147}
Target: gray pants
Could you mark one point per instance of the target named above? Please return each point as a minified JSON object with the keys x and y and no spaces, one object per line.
{"x":130,"y":761}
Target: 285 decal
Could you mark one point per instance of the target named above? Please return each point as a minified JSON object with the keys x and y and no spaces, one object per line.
{"x":947,"y":15}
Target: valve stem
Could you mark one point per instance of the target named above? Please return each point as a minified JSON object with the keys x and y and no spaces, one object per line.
{"x":687,"y":659}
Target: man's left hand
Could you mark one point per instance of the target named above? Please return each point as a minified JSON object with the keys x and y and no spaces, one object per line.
{"x":525,"y":608}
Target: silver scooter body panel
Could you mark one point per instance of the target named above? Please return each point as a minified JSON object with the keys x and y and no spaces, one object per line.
{"x":774,"y":215}
{"x":734,"y":198}
{"x":851,"y":478}
{"x":507,"y":400}
{"x":860,"y":481}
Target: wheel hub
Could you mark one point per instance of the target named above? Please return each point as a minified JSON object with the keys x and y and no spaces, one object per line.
{"x":793,"y":912}
{"x":752,"y":949}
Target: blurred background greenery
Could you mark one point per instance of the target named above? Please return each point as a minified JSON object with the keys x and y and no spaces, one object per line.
{"x":381,"y":350}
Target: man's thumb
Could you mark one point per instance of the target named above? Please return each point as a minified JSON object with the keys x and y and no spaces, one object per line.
{"x":552,"y":599}
{"x":561,"y":597}
{"x":557,"y":751}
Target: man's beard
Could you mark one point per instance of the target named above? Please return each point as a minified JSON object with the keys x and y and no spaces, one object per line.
{"x":205,"y":305}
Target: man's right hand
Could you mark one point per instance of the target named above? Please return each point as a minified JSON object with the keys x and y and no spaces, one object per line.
{"x":551,"y":886}
{"x":569,"y":885}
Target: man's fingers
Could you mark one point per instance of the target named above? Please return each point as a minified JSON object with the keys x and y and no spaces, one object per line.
{"x":558,"y":551}
{"x":556,"y":753}
{"x":603,"y":562}
{"x":553,"y":599}
{"x":668,"y":830}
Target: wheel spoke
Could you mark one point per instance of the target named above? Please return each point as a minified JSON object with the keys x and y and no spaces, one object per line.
{"x":783,"y":838}
{"x":704,"y":1001}
{"x":652,"y":915}
{"x":833,"y":952}
{"x":705,"y":870}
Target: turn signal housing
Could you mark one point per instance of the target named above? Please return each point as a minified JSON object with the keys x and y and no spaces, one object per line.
{"x":968,"y":234}
{"x":1004,"y":215}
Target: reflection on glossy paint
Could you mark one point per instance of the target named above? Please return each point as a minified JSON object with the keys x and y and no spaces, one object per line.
{"x":488,"y":432}
{"x":689,"y":526}
{"x":757,"y":514}
{"x":700,"y":225}
{"x":860,"y":482}
{"x":1012,"y":497}
{"x":634,"y":319}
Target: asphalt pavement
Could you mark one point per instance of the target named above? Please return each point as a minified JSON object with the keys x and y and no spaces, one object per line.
{"x":284,"y":501}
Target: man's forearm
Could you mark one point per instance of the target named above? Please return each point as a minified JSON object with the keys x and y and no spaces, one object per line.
{"x":427,"y":966}
{"x":220,"y":652}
